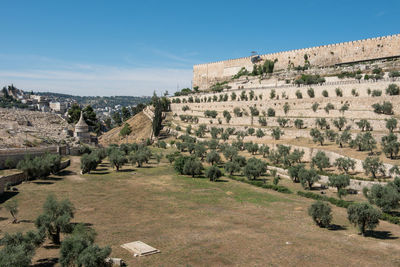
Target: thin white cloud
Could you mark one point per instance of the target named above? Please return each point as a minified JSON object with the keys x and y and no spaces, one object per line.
{"x":92,"y":79}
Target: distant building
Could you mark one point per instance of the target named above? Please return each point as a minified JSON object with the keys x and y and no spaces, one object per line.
{"x":58,"y":107}
{"x":82,"y":131}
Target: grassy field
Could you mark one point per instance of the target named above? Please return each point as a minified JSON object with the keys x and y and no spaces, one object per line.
{"x":195,"y":222}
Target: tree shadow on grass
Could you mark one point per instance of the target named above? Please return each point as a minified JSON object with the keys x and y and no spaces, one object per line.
{"x":380,"y":235}
{"x":42,"y":182}
{"x":127,"y":170}
{"x":221,"y":181}
{"x":53,"y":178}
{"x":99,"y":173}
{"x":147,"y":167}
{"x":52,"y":246}
{"x":7,"y":195}
{"x":3,"y":219}
{"x":336,"y":227}
{"x":101,"y":169}
{"x":66,"y":173}
{"x":46,"y":262}
{"x":25,"y":221}
{"x":85,"y":224}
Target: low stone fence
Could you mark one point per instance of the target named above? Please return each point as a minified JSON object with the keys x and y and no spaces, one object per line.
{"x":18,"y":178}
{"x":354,"y":184}
{"x":309,"y":153}
{"x":17,"y":154}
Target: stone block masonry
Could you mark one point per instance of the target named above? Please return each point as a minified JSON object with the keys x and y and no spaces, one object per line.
{"x":207,"y":74}
{"x":18,"y":178}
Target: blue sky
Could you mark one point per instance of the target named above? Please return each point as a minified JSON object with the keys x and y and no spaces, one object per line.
{"x":136,"y":47}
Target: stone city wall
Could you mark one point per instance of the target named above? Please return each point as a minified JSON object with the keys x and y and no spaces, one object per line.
{"x":322,"y":56}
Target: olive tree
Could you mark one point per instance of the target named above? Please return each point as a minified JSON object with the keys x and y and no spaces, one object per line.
{"x":213,"y":173}
{"x":320,"y":160}
{"x":391,"y":124}
{"x":254,"y":168}
{"x":364,"y":216}
{"x":56,"y":218}
{"x":385,"y":197}
{"x":321,"y":213}
{"x":213,"y":157}
{"x":308,"y":177}
{"x":317,"y":136}
{"x":340,"y":182}
{"x":345,"y":164}
{"x":373,"y":165}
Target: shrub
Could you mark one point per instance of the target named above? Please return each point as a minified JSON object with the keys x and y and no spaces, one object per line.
{"x":262,"y":121}
{"x":322,"y":123}
{"x":394,"y":74}
{"x":310,"y":79}
{"x":393,"y":89}
{"x":282,"y":122}
{"x":373,"y":165}
{"x":329,"y":107}
{"x":213,"y":157}
{"x":299,"y":95}
{"x":299,"y":123}
{"x":260,"y":133}
{"x":272,"y":94}
{"x":213,"y":173}
{"x":364,"y":125}
{"x":237,"y":112}
{"x":10,"y":163}
{"x":192,"y":166}
{"x":117,"y":159}
{"x":56,"y":218}
{"x":321,"y":213}
{"x":340,"y":123}
{"x":314,"y":107}
{"x":364,"y":216}
{"x":286,"y":108}
{"x":18,"y":249}
{"x":344,"y":108}
{"x":311,"y":93}
{"x":88,"y":163}
{"x":320,"y":160}
{"x":231,"y":167}
{"x":317,"y":136}
{"x":339,"y":92}
{"x":345,"y":164}
{"x":277,"y":133}
{"x":210,"y":113}
{"x":271,"y":112}
{"x":294,"y":172}
{"x":376,"y":93}
{"x":391,"y":124}
{"x":308,"y":177}
{"x":325,"y":93}
{"x":340,"y":182}
{"x":390,"y":146}
{"x":254,"y":168}
{"x":354,"y":92}
{"x":79,"y":249}
{"x":385,"y":197}
{"x":384,"y":108}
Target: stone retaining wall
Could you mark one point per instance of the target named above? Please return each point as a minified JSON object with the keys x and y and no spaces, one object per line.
{"x":321,"y":56}
{"x":18,"y":178}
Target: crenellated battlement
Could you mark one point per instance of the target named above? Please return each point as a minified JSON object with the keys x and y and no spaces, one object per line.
{"x":321,"y":56}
